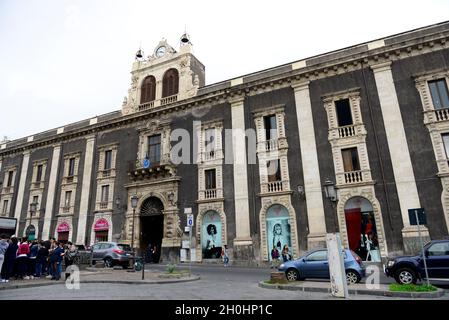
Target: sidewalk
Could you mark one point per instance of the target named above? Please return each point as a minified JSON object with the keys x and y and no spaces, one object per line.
{"x":355,"y":289}
{"x":106,"y":276}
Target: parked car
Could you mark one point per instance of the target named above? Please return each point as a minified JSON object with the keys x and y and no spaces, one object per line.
{"x":314,"y":264}
{"x":410,"y":269}
{"x":112,"y":253}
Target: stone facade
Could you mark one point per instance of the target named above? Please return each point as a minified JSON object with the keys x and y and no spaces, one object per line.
{"x":396,"y":131}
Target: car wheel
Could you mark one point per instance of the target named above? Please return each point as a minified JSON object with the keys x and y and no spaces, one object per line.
{"x":405,"y":276}
{"x":108,"y":263}
{"x":352,"y":277}
{"x":292,"y":274}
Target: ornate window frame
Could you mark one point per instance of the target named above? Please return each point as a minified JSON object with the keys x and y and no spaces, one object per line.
{"x":154,"y":127}
{"x":9,"y":189}
{"x":352,"y":136}
{"x":109,"y":173}
{"x":39,"y":184}
{"x":66,"y":179}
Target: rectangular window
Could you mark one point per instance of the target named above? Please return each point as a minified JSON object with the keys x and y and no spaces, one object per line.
{"x":445,"y":137}
{"x":105,"y":193}
{"x":350,"y":159}
{"x":344,"y":116}
{"x":71,"y":172}
{"x":68,"y":199}
{"x":36,"y":201}
{"x":5,"y":206}
{"x":39,"y":173}
{"x":270,"y":127}
{"x":209,"y":142}
{"x":210,"y":179}
{"x":154,"y":149}
{"x":274,"y":170}
{"x":439,"y":93}
{"x":10,"y":176}
{"x":107,"y":159}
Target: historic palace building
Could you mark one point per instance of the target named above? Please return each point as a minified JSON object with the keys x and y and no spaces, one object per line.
{"x":251,"y":157}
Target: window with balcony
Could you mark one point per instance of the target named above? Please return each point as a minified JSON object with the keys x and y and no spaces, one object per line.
{"x":351,"y":165}
{"x":148,"y":90}
{"x":36,"y":201}
{"x":350,"y":159}
{"x":67,"y":200}
{"x":71,"y":169}
{"x":343,"y":109}
{"x":39,"y":173}
{"x":10,"y":177}
{"x":154,"y":149}
{"x":5,"y":207}
{"x":209,"y":143}
{"x":210,"y":183}
{"x":439,"y":92}
{"x":108,"y":160}
{"x":445,"y":137}
{"x":170,"y":83}
{"x":274,"y":175}
{"x":270,"y":127}
{"x":104,"y":196}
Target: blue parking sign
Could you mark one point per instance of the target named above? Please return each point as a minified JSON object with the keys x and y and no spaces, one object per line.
{"x":190,"y":220}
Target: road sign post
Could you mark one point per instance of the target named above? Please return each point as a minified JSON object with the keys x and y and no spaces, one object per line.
{"x":418,"y":217}
{"x":190,"y":225}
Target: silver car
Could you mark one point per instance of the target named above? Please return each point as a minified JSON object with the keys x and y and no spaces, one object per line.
{"x":112,"y":253}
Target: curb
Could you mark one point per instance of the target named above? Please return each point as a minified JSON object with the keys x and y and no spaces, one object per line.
{"x":43,"y":284}
{"x":384,"y":293}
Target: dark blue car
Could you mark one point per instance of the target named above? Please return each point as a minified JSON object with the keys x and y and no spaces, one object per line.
{"x":408,"y":269}
{"x":314,"y":264}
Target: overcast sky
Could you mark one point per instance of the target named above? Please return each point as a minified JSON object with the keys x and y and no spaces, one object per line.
{"x":62,"y":61}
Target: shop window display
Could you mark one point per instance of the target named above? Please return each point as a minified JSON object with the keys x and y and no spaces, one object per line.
{"x":361,"y":229}
{"x":278,"y":228}
{"x":211,"y":235}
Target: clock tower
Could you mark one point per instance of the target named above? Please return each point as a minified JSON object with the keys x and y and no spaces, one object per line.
{"x":163,"y":77}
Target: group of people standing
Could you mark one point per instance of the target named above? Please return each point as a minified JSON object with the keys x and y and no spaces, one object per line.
{"x":277,"y":257}
{"x":26,"y":259}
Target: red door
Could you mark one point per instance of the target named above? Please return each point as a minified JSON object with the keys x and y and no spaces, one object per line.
{"x":354,"y":227}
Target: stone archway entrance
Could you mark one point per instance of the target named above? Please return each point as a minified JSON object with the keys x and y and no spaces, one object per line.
{"x":152,"y":228}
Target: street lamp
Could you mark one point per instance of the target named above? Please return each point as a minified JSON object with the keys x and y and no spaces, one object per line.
{"x":134,"y":200}
{"x":329,"y":190}
{"x":331,"y":194}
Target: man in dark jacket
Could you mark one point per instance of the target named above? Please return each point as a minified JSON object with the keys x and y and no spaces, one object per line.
{"x":56,"y":260}
{"x":41,"y":259}
{"x":10,"y":259}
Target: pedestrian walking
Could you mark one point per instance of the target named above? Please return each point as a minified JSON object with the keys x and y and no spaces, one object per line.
{"x":224,"y":255}
{"x":4,"y":244}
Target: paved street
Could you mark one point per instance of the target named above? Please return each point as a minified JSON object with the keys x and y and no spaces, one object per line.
{"x":216,"y":282}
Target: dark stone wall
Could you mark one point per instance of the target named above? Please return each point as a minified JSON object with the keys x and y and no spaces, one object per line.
{"x":418,"y":137}
{"x":127,"y":140}
{"x":373,"y":122}
{"x":266,"y":101}
{"x":15,"y":160}
{"x":78,"y":145}
{"x":36,"y":155}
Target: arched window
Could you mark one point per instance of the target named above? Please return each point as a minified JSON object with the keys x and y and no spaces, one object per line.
{"x":148,"y":90}
{"x":170,"y":84}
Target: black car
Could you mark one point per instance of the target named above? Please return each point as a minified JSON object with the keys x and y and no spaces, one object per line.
{"x":409,"y":269}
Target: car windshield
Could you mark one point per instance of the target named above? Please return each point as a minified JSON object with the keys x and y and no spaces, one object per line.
{"x":124,"y":247}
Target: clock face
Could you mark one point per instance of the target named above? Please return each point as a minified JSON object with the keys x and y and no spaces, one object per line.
{"x":160,"y":51}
